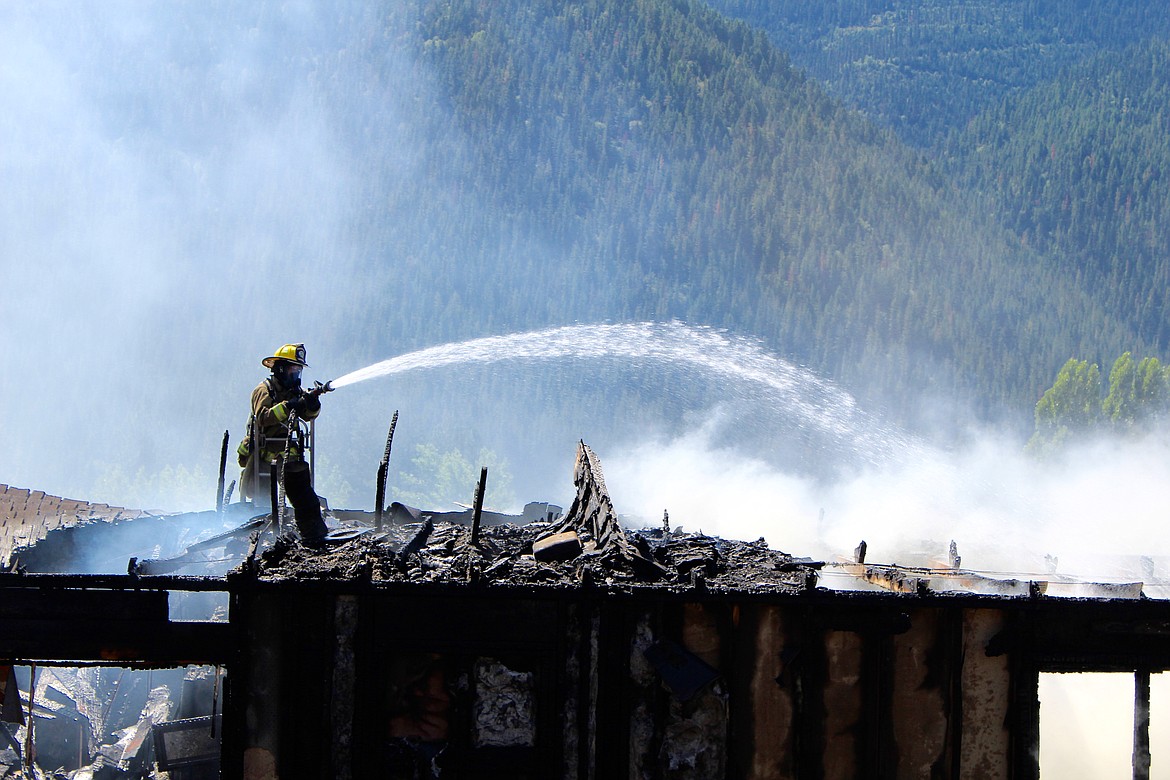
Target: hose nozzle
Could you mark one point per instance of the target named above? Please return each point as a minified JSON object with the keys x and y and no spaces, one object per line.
{"x":321,"y":389}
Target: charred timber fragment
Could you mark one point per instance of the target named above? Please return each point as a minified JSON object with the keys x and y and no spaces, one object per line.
{"x":227,"y":498}
{"x":594,"y":520}
{"x":383,"y":471}
{"x":922,"y":581}
{"x":222,"y":471}
{"x":417,"y":542}
{"x":1141,"y":725}
{"x":477,"y":514}
{"x":564,"y":546}
{"x":380,"y":494}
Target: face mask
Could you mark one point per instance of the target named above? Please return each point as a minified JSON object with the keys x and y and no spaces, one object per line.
{"x":290,"y":377}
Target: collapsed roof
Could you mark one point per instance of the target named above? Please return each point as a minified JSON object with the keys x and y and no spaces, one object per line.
{"x":29,"y":516}
{"x":586,"y":547}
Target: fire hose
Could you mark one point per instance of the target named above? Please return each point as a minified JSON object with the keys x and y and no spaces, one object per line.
{"x":292,"y":426}
{"x":294,"y":430}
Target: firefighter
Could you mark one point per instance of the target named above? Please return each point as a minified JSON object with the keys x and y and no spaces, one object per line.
{"x":275,"y":401}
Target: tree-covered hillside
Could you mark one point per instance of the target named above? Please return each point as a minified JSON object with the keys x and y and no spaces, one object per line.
{"x":656,"y":160}
{"x":924,"y":67}
{"x":1050,"y":115}
{"x":1078,"y":169}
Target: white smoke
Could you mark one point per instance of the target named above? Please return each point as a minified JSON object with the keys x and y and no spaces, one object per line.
{"x":176,"y":185}
{"x":1087,"y":729}
{"x":1097,"y":512}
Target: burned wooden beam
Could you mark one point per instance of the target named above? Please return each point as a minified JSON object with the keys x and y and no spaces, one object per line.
{"x":593,"y":518}
{"x":477,"y":513}
{"x":222,"y":471}
{"x":1141,"y":725}
{"x":911,"y":579}
{"x":108,"y":606}
{"x":383,"y":471}
{"x":417,"y":542}
{"x":558,"y":547}
{"x":131,"y":642}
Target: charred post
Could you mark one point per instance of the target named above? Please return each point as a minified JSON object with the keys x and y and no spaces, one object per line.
{"x":1141,"y":725}
{"x":222,"y":471}
{"x":383,"y":471}
{"x":477,"y":514}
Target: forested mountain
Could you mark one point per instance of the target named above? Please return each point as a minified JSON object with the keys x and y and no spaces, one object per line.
{"x":668,"y":162}
{"x":1078,"y":169}
{"x":1051,"y":115}
{"x":924,"y":67}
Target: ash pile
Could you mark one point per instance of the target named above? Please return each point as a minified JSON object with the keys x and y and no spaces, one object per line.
{"x":587,"y":548}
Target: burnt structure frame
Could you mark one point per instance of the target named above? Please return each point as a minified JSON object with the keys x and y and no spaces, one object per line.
{"x":115,"y":620}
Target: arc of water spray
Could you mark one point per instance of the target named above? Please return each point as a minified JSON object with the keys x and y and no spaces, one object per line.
{"x":816,"y":401}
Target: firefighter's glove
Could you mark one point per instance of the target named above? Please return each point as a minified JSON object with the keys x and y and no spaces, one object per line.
{"x":312,"y":403}
{"x":297,"y":405}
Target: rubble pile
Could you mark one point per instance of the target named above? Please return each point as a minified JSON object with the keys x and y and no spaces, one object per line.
{"x":504,"y":556}
{"x":588,"y":547}
{"x":97,"y":722}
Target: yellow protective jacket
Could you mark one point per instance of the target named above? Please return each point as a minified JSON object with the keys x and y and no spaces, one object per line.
{"x":271,"y":412}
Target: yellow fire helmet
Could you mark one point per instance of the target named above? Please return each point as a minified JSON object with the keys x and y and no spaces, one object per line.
{"x":293,"y":353}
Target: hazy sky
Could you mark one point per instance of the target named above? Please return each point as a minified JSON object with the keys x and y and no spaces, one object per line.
{"x":173,"y":210}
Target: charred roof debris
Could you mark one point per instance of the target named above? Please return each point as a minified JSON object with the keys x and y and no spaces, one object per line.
{"x":586,"y":547}
{"x":547,"y":644}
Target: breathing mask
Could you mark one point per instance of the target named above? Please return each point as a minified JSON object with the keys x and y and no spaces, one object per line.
{"x":288,"y":375}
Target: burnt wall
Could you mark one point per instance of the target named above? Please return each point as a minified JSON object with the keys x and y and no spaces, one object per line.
{"x":353,"y":680}
{"x":478,"y":684}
